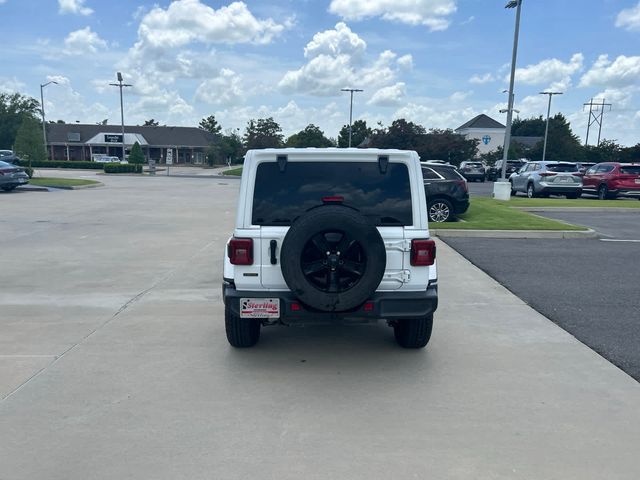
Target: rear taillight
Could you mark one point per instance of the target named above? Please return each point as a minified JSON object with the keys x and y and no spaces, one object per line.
{"x":547,"y":174}
{"x":423,"y":252}
{"x":240,"y":251}
{"x":463,"y":184}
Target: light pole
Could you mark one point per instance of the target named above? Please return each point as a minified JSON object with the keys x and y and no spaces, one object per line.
{"x":546,"y":129}
{"x":351,"y":90}
{"x":120,"y":85}
{"x":502,"y":189}
{"x":44,"y":125}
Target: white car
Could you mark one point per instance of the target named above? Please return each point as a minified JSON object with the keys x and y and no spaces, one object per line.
{"x":330,"y":235}
{"x":107,"y":159}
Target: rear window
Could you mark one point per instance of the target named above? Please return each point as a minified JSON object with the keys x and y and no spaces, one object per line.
{"x":474,"y":165}
{"x":449,"y":173}
{"x":281,"y":197}
{"x":631,"y":169}
{"x":562,"y":167}
{"x":515,"y":163}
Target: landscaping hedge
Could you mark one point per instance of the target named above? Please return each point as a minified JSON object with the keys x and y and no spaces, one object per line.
{"x":60,"y":164}
{"x":122,"y":168}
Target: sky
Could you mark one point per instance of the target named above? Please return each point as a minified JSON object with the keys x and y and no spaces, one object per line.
{"x":434,"y":62}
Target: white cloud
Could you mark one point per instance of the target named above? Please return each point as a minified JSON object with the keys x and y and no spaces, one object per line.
{"x":390,"y":96}
{"x":623,"y":71}
{"x":550,"y":71}
{"x":431,"y":13}
{"x":62,"y":101}
{"x":460,"y":96}
{"x":224,"y":89}
{"x":74,"y":6}
{"x":187,"y":21}
{"x":11,"y":85}
{"x":337,"y":60}
{"x":480,"y":79}
{"x":405,"y":62}
{"x":629,"y":18}
{"x":83,"y":41}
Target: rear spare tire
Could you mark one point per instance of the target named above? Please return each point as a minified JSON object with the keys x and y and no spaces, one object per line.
{"x":333,"y":258}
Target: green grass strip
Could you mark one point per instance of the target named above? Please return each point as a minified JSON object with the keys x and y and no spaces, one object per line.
{"x":489,"y":214}
{"x":234,"y":171}
{"x":60,"y":182}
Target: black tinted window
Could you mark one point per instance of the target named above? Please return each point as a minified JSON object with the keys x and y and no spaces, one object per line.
{"x":562,"y":167}
{"x":281,"y":197}
{"x":429,"y":174}
{"x":449,"y":173}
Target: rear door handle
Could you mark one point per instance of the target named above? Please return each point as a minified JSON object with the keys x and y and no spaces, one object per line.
{"x":272,"y":251}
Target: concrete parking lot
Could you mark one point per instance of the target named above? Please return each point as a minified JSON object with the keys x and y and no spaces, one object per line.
{"x":114,"y":363}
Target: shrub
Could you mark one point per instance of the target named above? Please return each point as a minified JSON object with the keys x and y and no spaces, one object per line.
{"x":136,"y":155}
{"x":60,"y":164}
{"x":122,"y":168}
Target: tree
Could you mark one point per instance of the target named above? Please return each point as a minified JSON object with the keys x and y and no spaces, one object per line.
{"x":400,"y":134}
{"x":446,"y":145}
{"x":13,"y":109}
{"x":562,"y":143}
{"x":630,"y":154}
{"x":29,"y":143}
{"x":151,"y":123}
{"x":263,"y":133}
{"x":210,"y":124}
{"x":359,"y":133}
{"x":311,"y":136}
{"x":136,"y":155}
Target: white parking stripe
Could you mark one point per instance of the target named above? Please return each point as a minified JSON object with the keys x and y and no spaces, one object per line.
{"x":618,"y":240}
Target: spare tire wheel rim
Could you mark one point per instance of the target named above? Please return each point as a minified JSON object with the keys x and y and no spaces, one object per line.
{"x":333,"y":262}
{"x":314,"y":271}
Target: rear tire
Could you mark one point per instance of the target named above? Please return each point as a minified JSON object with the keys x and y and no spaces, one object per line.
{"x":603,"y":192}
{"x":241,"y":332}
{"x":413,"y":333}
{"x":440,"y":210}
{"x":8,"y":189}
{"x":531,"y":193}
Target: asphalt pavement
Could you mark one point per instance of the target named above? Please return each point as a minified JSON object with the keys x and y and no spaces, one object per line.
{"x":114,"y":363}
{"x":589,"y":287}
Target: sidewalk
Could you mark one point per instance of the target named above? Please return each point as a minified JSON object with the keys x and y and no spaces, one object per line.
{"x":500,"y":393}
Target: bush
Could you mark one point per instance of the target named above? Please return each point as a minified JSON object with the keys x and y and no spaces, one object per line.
{"x":136,"y":155}
{"x":122,"y":168}
{"x":60,"y":164}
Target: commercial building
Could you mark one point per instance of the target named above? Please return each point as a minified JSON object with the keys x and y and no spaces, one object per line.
{"x":73,"y":141}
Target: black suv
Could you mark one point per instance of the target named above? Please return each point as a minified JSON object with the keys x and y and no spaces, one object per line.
{"x":495,"y":172}
{"x":446,"y":190}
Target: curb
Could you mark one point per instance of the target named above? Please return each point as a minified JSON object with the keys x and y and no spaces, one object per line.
{"x":550,"y":234}
{"x":578,"y":209}
{"x":33,"y":188}
{"x":69,"y":187}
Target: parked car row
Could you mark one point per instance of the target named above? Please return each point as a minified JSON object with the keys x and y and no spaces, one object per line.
{"x":606,"y":180}
{"x":12,"y":176}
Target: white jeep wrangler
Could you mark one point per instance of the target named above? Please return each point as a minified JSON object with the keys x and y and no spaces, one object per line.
{"x":330,"y":235}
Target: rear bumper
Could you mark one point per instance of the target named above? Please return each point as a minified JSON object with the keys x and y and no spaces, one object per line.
{"x":383,"y":305}
{"x":560,"y":189}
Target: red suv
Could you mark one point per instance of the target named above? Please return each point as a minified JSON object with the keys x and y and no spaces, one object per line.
{"x":610,"y":180}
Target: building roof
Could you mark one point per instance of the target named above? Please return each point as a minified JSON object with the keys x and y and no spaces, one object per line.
{"x":481,"y":121}
{"x":154,"y":136}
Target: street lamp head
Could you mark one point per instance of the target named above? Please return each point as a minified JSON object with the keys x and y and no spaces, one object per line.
{"x":512,"y":4}
{"x":119,"y":76}
{"x":551,"y":93}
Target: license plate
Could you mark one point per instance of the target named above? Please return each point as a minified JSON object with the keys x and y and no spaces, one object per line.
{"x":564,"y":180}
{"x":259,"y":308}
{"x":637,"y":180}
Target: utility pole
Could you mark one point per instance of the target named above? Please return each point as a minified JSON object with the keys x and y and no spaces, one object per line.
{"x":502,"y":189}
{"x":44,"y":125}
{"x":120,"y":85}
{"x":351,"y":90}
{"x":596,"y":115}
{"x":546,"y":130}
